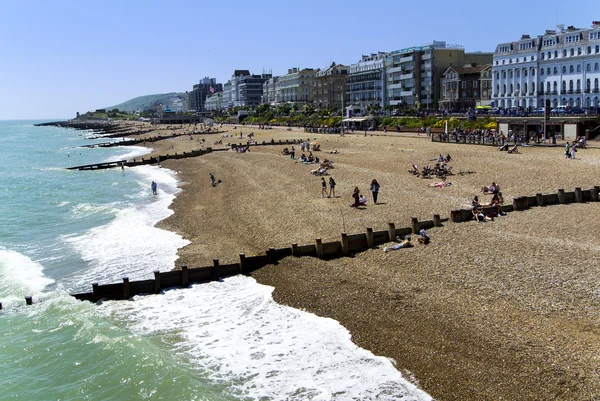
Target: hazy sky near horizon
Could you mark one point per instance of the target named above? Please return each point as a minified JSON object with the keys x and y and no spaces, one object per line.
{"x":60,"y":57}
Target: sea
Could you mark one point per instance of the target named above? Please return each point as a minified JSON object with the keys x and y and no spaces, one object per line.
{"x":61,"y":230}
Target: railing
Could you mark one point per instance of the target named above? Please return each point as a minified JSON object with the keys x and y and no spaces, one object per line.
{"x":595,"y":90}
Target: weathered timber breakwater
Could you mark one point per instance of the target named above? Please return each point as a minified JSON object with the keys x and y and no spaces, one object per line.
{"x":160,"y":158}
{"x":348,"y":245}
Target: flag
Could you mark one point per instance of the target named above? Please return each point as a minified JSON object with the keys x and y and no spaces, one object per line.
{"x":211,"y":89}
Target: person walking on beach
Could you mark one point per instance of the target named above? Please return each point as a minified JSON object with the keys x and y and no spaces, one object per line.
{"x":212,"y":180}
{"x":375,"y":190}
{"x":323,"y":187}
{"x":331,"y":188}
{"x":154,"y":187}
{"x":292,"y":152}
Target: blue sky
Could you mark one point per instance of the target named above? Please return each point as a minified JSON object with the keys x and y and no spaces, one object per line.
{"x":60,"y":57}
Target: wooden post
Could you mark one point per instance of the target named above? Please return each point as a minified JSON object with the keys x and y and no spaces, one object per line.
{"x":271,"y":255}
{"x":392,"y":231}
{"x":437,"y":220}
{"x":561,"y":196}
{"x":184,"y":276}
{"x":369,"y":237}
{"x":215,"y":270}
{"x":456,"y":216}
{"x":156,"y":281}
{"x":96,"y":291}
{"x":415,"y":225}
{"x":126,"y":291}
{"x":0,"y":305}
{"x":578,"y":195}
{"x":319,"y":245}
{"x":517,"y":203}
{"x":242,"y":263}
{"x":344,"y":244}
{"x":594,"y":193}
{"x":28,"y":300}
{"x":294,"y":249}
{"x":539,"y":199}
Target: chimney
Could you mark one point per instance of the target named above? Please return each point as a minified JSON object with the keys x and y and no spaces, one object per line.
{"x":595,"y":23}
{"x":524,"y":36}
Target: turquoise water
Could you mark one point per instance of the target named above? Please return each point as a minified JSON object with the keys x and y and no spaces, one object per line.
{"x":62,"y":230}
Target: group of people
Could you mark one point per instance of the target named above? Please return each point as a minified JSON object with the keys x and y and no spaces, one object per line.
{"x":324,"y":193}
{"x":497,"y":201}
{"x":440,"y":170}
{"x":571,"y":147}
{"x":360,"y":200}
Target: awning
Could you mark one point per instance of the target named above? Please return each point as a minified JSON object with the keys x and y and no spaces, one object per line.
{"x":357,"y":119}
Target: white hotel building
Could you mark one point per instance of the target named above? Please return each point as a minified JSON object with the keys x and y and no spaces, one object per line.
{"x":561,"y":66}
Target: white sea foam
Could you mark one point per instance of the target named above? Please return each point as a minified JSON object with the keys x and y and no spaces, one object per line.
{"x":132,"y":151}
{"x":20,"y":276}
{"x":130,"y":245}
{"x":86,"y":209}
{"x":235,"y":333}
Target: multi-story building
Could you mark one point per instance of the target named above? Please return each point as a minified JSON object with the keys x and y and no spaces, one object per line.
{"x":297,"y":86}
{"x":466,"y":87}
{"x":366,"y":82}
{"x":414,"y":74}
{"x":195,"y":99}
{"x":244,"y":89}
{"x":270,"y":93}
{"x":214,"y":102}
{"x":560,"y":67}
{"x":330,"y":87}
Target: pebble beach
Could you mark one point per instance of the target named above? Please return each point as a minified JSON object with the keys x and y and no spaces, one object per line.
{"x":502,"y":310}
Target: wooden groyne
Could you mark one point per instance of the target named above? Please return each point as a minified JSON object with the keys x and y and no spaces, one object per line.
{"x":161,"y":158}
{"x":347,"y":245}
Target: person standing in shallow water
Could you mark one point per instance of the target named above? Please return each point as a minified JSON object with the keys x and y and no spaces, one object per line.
{"x":375,"y":190}
{"x":154,"y":187}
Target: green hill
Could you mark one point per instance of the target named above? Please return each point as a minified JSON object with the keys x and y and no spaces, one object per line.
{"x":147,"y":102}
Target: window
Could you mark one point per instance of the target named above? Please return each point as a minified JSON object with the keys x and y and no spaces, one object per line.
{"x":524,"y":73}
{"x":533,"y":86}
{"x":564,"y":86}
{"x":595,"y":66}
{"x":597,"y":49}
{"x":548,"y":71}
{"x":510,"y":61}
{"x":589,"y":50}
{"x":464,"y":84}
{"x":564,"y":69}
{"x":555,"y":53}
{"x":498,"y":75}
{"x":511,"y":89}
{"x":588,"y":67}
{"x":474,"y":84}
{"x":579,"y":84}
{"x":579,"y":51}
{"x":475,"y":93}
{"x":542,"y":56}
{"x":549,"y":55}
{"x":572,"y":52}
{"x":565,"y":52}
{"x":548,"y":86}
{"x":510,"y":74}
{"x":571,"y":69}
{"x":518,"y":73}
{"x":596,"y":83}
{"x":578,"y":68}
{"x":542,"y":71}
{"x":587,"y":84}
{"x":556,"y":70}
{"x":533,"y":73}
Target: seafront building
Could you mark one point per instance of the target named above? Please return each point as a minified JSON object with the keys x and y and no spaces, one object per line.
{"x":270,"y":92}
{"x":414,"y":74}
{"x":214,"y":102}
{"x":329,"y":88}
{"x":194,"y":100}
{"x":466,"y":87}
{"x":296,"y":86}
{"x":243,"y":89}
{"x":559,"y":68}
{"x":366,"y":82}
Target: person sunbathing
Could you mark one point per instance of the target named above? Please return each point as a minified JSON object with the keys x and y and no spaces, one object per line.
{"x":414,"y":170}
{"x":405,"y":243}
{"x":514,"y":149}
{"x":492,"y":189}
{"x":441,"y":184}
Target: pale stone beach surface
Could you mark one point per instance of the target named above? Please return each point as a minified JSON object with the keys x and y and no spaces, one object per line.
{"x":504,"y":310}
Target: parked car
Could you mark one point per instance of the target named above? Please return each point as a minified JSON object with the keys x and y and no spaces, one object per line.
{"x":560,"y":110}
{"x":539,"y":111}
{"x":576,"y":110}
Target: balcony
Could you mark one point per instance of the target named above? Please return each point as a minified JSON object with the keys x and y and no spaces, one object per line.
{"x":407,"y":59}
{"x":503,"y":94}
{"x":595,"y":90}
{"x":587,"y":90}
{"x":577,"y":91}
{"x":571,"y":91}
{"x":548,"y":92}
{"x":540,"y":93}
{"x":531,"y":93}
